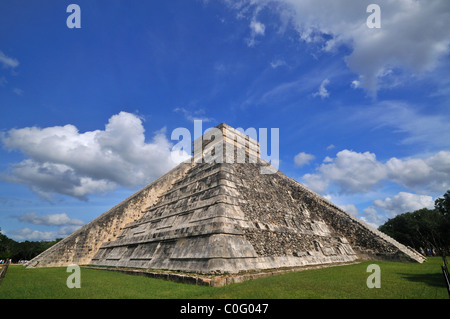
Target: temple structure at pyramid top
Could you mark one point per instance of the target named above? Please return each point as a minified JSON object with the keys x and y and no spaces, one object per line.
{"x":224,"y":143}
{"x":217,"y":213}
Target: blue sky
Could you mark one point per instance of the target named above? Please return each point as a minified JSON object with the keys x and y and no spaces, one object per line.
{"x":87,"y":113}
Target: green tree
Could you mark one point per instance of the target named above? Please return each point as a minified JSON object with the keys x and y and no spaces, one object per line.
{"x":423,"y":228}
{"x":7,"y":247}
{"x":25,"y":250}
{"x":443,"y":206}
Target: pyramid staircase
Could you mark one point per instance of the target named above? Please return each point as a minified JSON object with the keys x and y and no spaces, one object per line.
{"x":221,"y":217}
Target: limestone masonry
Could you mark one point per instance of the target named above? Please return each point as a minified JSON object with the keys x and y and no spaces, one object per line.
{"x":216,"y":218}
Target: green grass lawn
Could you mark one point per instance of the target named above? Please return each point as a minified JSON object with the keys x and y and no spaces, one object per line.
{"x":398,"y":280}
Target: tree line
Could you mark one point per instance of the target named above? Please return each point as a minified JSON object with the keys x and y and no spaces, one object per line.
{"x":26,"y":250}
{"x":424,"y":229}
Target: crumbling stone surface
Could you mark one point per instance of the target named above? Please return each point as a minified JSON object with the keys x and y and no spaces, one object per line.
{"x":369,"y":243}
{"x":292,"y":220}
{"x":83,"y":244}
{"x":218,"y":218}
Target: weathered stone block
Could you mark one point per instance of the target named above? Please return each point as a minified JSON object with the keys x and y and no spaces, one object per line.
{"x":222,"y":218}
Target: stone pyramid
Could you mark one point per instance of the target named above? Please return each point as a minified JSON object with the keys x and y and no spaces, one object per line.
{"x":224,"y":216}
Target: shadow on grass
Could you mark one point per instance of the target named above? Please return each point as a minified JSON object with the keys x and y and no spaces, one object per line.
{"x":433,"y":279}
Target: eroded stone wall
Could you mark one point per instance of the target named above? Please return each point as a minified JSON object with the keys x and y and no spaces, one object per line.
{"x":222,"y":217}
{"x":278,"y":204}
{"x":83,"y":244}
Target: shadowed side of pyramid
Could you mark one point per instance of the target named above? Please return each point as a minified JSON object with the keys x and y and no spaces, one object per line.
{"x":294,"y":221}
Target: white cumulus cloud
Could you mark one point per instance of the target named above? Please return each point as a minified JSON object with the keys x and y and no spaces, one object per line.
{"x":354,"y":172}
{"x":404,"y":202}
{"x":50,"y":219}
{"x":303,"y":158}
{"x":37,"y":235}
{"x":60,"y":159}
{"x":351,"y":171}
{"x":257,"y":29}
{"x":413,"y":35}
{"x":372,"y":217}
{"x":8,"y":62}
{"x":323,"y":92}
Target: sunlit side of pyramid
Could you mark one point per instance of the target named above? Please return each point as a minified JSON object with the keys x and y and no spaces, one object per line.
{"x":224,"y":216}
